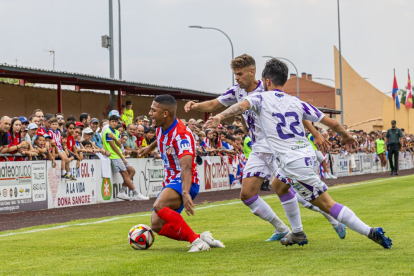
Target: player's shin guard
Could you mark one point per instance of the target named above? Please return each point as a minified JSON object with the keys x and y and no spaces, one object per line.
{"x":291,"y":207}
{"x":175,"y":228}
{"x":260,"y":208}
{"x":346,"y":216}
{"x":314,"y":208}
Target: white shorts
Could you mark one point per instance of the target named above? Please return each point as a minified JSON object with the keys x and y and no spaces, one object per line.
{"x":260,"y":164}
{"x":319,"y":156}
{"x":300,"y":174}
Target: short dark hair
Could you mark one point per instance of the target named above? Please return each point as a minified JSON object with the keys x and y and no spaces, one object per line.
{"x":223,"y":133}
{"x":83,"y":116}
{"x":101,"y":122}
{"x":230,"y":137}
{"x":128,"y":103}
{"x":70,"y":123}
{"x":71,"y":118}
{"x":48,"y":116}
{"x":53,"y":120}
{"x":277,"y":71}
{"x":165,"y":99}
{"x":151,"y":129}
{"x":225,"y":124}
{"x":64,"y":135}
{"x":86,"y":142}
{"x":122,"y":106}
{"x":118,"y":126}
{"x":238,"y":131}
{"x":199,"y":126}
{"x":114,"y":118}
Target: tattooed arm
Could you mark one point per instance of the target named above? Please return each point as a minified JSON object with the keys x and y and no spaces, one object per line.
{"x":232,"y":111}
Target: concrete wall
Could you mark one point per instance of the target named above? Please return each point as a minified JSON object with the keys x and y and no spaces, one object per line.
{"x":16,"y":100}
{"x":365,"y":107}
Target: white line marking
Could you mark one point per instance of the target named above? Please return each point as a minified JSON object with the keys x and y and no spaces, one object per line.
{"x":199,"y":208}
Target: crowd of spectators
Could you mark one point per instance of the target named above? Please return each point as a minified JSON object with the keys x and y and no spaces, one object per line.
{"x":54,"y":137}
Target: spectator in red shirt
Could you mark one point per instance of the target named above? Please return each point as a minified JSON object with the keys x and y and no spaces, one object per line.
{"x":140,"y":136}
{"x":71,"y":143}
{"x":46,"y":128}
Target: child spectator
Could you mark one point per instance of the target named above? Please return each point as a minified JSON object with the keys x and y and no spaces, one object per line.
{"x":128,"y":115}
{"x":111,"y":143}
{"x":57,"y":139}
{"x":125,"y":152}
{"x":44,"y":149}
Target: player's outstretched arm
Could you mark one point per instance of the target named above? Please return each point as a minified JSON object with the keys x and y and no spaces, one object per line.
{"x":320,"y":142}
{"x":207,"y":106}
{"x":147,"y":150}
{"x":347,"y":140}
{"x":232,"y":111}
{"x":186,"y":163}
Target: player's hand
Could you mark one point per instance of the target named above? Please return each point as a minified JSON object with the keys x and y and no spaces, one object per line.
{"x":143,"y":151}
{"x":189,"y":106}
{"x":321,"y":143}
{"x":351,"y":145}
{"x":188,"y":204}
{"x":213,"y":122}
{"x":125,"y":161}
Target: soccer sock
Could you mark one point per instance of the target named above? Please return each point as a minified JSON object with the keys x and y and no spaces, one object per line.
{"x":346,"y":216}
{"x":175,"y":228}
{"x":260,"y":208}
{"x":291,"y":207}
{"x":314,"y":208}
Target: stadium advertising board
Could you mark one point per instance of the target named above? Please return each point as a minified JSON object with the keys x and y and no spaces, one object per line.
{"x":342,"y":165}
{"x":22,"y":186}
{"x":215,"y":174}
{"x":366,"y":162}
{"x":65,"y":193}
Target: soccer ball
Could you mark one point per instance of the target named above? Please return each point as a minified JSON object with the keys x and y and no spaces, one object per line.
{"x":141,"y":237}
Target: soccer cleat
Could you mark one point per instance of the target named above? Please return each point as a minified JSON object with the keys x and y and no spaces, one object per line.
{"x":208,"y":238}
{"x":377,"y":235}
{"x":199,"y":245}
{"x":279,"y":236}
{"x":139,"y":196}
{"x":326,"y":176}
{"x":66,"y":176}
{"x":122,"y":196}
{"x":72,"y":178}
{"x":341,"y":230}
{"x":299,"y":238}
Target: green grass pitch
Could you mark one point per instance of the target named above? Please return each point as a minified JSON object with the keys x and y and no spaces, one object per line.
{"x":100,"y":247}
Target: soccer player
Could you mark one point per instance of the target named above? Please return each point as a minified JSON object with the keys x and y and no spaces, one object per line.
{"x":280,"y":121}
{"x":260,"y":164}
{"x":177,"y":148}
{"x":111,"y":142}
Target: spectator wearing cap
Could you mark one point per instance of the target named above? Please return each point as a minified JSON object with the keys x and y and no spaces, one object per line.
{"x":31,"y":133}
{"x":146,"y":121}
{"x":85,"y":119}
{"x":394,"y":141}
{"x":230,"y":130}
{"x":24,"y":121}
{"x":200,"y":122}
{"x":111,"y":113}
{"x":96,"y":138}
{"x":81,"y":125}
{"x":61,"y":122}
{"x":128,"y":114}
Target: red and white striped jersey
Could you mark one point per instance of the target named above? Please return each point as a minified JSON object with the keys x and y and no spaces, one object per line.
{"x":174,"y":143}
{"x":57,"y":138}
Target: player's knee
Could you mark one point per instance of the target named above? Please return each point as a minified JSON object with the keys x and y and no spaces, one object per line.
{"x":156,"y":225}
{"x":245,"y":195}
{"x":158,"y":206}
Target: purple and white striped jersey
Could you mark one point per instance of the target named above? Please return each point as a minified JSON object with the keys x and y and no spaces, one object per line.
{"x":280,"y":115}
{"x":235,"y":95}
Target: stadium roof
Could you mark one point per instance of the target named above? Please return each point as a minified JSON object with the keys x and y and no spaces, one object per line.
{"x":84,"y":81}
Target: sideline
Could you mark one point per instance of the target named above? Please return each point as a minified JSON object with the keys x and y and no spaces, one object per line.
{"x":199,"y":208}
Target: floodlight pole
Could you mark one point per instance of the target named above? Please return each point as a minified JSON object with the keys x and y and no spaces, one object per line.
{"x":340,"y":68}
{"x":111,"y":54}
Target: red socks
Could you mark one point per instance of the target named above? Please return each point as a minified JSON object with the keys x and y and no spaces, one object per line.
{"x":175,"y":228}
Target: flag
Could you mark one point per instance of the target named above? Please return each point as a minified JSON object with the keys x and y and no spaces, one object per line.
{"x":409,"y":94}
{"x":394,"y":92}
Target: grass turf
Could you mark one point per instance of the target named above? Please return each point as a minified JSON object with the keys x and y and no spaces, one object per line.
{"x":101,"y":248}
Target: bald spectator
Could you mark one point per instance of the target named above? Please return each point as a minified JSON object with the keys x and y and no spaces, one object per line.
{"x":141,"y":142}
{"x":131,"y":141}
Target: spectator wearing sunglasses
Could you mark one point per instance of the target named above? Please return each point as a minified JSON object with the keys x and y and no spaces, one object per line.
{"x":61,"y":122}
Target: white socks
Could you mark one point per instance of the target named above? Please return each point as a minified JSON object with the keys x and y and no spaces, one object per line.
{"x":314,"y":208}
{"x":261,"y":209}
{"x":346,"y":216}
{"x":291,"y":207}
